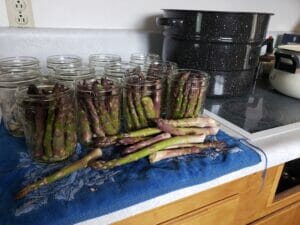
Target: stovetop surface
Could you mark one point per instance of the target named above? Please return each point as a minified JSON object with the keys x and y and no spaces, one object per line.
{"x":262,"y":109}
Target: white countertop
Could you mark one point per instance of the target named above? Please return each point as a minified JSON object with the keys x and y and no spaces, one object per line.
{"x":279,"y":148}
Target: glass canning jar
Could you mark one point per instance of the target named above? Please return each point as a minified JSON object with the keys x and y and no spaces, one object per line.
{"x":143,"y":60}
{"x":186,"y":93}
{"x":47,"y":112}
{"x":142,"y":101}
{"x":99,"y":109}
{"x":19,"y":62}
{"x":55,"y":62}
{"x":120,"y":70}
{"x":99,"y":61}
{"x":69,"y":76}
{"x":9,"y":82}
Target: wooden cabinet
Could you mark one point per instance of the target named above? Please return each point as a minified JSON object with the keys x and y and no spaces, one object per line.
{"x":220,"y":213}
{"x":286,"y":216}
{"x":249,"y":200}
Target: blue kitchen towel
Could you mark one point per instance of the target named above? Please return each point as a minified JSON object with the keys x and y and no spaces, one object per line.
{"x":89,"y":193}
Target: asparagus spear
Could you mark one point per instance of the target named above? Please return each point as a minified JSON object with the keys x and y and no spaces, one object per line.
{"x":192,"y":99}
{"x":65,"y":171}
{"x":149,"y":108}
{"x":201,"y":97}
{"x":131,"y":140}
{"x":114,"y":108}
{"x":178,"y":94}
{"x":140,"y":145}
{"x":210,"y":144}
{"x":192,"y":122}
{"x":139,"y":108}
{"x":132,"y":111}
{"x":47,"y":143}
{"x":186,"y":91}
{"x":128,"y":119}
{"x":58,"y":139}
{"x":84,"y":127}
{"x":147,"y":151}
{"x":106,"y":141}
{"x":70,"y":133}
{"x":165,"y":154}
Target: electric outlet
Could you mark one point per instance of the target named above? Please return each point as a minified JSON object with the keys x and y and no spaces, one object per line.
{"x":19,"y":13}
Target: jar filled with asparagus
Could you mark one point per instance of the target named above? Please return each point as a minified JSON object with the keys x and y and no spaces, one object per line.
{"x":9,"y":82}
{"x":48,"y":116}
{"x":142,"y":101}
{"x":186,"y":93}
{"x":99,"y":109}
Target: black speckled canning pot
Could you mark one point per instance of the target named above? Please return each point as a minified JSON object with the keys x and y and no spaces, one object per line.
{"x":224,"y":42}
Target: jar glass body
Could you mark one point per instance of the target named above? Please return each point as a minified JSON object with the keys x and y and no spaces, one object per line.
{"x":99,"y":61}
{"x":9,"y":82}
{"x":49,"y":121}
{"x":186,"y":93}
{"x":99,"y":109}
{"x":142,"y":101}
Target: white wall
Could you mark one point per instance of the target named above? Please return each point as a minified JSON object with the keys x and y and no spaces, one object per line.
{"x":139,"y":14}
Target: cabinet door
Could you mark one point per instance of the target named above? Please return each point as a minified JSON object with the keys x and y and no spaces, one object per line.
{"x":219,"y":213}
{"x":286,"y":216}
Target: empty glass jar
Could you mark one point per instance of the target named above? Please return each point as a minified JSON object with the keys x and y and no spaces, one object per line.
{"x":47,"y":112}
{"x":142,"y":101}
{"x":99,"y":61}
{"x":186,"y":93}
{"x":9,"y":82}
{"x":99,"y":109}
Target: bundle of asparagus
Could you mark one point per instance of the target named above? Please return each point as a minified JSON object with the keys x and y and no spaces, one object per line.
{"x":99,"y":104}
{"x":142,"y":101}
{"x":48,"y":116}
{"x":152,"y":142}
{"x":186,"y":94}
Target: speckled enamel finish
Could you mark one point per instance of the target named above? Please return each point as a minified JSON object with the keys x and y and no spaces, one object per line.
{"x":225,"y":44}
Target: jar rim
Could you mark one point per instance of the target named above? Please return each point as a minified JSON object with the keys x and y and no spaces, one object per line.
{"x":18,"y":61}
{"x":196,"y":74}
{"x":103,"y":57}
{"x":18,"y":77}
{"x":113,"y":86}
{"x":74,"y":73}
{"x":61,"y":60}
{"x":138,"y":81}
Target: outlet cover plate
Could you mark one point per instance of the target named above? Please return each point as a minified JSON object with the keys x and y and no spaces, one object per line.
{"x":19,"y":13}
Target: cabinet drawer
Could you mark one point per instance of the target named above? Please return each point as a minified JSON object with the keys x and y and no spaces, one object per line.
{"x":286,"y":216}
{"x":219,"y":213}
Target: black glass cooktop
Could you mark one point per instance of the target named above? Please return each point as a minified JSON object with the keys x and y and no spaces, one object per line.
{"x":262,"y":109}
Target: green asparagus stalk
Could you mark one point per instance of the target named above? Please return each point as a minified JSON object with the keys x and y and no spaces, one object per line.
{"x":149,"y":108}
{"x":84,"y":127}
{"x":179,"y":94}
{"x":200,"y":101}
{"x":132,"y":111}
{"x":192,"y":100}
{"x":139,"y":108}
{"x":192,"y":122}
{"x":147,"y":151}
{"x":143,"y":144}
{"x":211,"y":144}
{"x":128,"y":119}
{"x":131,"y":140}
{"x":185,"y":101}
{"x":70,"y":133}
{"x":114,"y":108}
{"x":80,"y":164}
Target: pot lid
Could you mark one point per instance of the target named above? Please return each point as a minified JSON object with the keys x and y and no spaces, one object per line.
{"x":293,"y":47}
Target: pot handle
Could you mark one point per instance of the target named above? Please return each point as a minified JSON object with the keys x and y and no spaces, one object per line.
{"x":170,"y":22}
{"x":286,"y":62}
